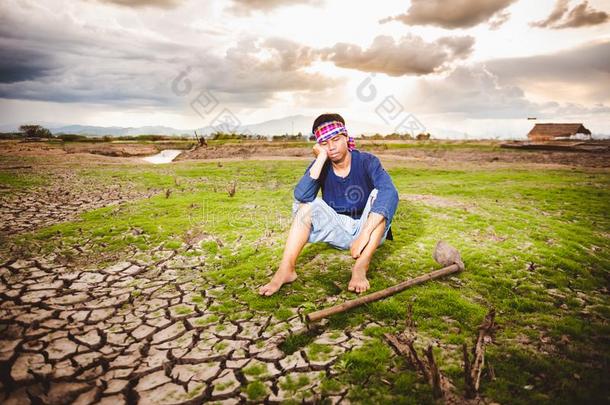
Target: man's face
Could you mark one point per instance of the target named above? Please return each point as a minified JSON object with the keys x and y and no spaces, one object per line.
{"x":336,"y":147}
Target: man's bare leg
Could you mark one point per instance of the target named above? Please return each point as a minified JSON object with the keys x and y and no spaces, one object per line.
{"x":359,"y":283}
{"x":297,"y":238}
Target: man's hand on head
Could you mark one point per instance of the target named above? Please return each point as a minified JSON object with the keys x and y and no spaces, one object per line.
{"x":319,"y":152}
{"x":321,"y":156}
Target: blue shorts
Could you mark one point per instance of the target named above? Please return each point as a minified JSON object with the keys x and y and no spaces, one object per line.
{"x":336,"y":229}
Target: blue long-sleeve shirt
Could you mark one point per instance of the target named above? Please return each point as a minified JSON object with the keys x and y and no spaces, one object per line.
{"x":348,"y":195}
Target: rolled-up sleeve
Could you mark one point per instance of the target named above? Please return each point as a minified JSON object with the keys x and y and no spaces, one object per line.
{"x":307,"y":188}
{"x":387,"y":194}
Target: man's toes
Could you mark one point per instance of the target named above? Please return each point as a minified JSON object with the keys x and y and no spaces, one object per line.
{"x":266,"y":290}
{"x":361,"y":287}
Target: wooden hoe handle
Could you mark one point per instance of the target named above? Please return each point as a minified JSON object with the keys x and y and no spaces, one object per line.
{"x":317,"y":315}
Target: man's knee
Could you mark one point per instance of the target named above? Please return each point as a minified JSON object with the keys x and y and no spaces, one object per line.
{"x":307,"y":206}
{"x":311,"y":212}
{"x":303,"y":210}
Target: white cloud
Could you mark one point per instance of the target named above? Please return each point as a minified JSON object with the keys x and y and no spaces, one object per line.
{"x":247,"y":7}
{"x":144,"y":3}
{"x":107,"y":62}
{"x":453,"y":13}
{"x":580,"y":16}
{"x":410,"y":55}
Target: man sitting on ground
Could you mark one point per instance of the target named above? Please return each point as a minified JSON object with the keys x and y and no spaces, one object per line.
{"x":356,"y":209}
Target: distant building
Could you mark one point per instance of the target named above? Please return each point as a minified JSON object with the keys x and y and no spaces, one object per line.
{"x":558,"y":132}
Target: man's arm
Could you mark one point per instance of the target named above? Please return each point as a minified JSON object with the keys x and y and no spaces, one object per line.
{"x":373,"y":220}
{"x":307,"y":188}
{"x":384,"y":206}
{"x":318,"y":164}
{"x":387,"y":196}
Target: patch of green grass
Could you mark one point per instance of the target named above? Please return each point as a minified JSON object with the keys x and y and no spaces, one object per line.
{"x":255,"y":370}
{"x":294,"y":384}
{"x":283,"y":314}
{"x":535,"y":243}
{"x":19,"y":180}
{"x":330,"y":386}
{"x":198,"y":389}
{"x":196,"y":299}
{"x":317,"y":351}
{"x":220,"y":346}
{"x":367,"y":361}
{"x":223,"y":386}
{"x":256,"y":391}
{"x":433,"y":145}
{"x":296,"y":342}
{"x":207,"y":320}
{"x":172,"y":244}
{"x":541,"y":376}
{"x":182,"y":310}
{"x":372,"y":375}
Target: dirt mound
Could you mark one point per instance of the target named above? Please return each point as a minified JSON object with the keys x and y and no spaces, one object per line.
{"x":244,"y":151}
{"x":109,"y":149}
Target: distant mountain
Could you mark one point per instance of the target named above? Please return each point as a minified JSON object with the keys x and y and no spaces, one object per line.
{"x":118,"y":131}
{"x":298,"y":123}
{"x":286,"y":125}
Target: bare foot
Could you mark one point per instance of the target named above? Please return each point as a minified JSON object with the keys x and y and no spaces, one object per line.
{"x":281,"y":277}
{"x":359,"y":283}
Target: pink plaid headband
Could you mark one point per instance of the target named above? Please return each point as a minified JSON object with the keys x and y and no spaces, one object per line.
{"x":332,"y":128}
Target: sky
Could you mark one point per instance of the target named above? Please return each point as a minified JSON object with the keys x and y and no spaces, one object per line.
{"x":454,"y":68}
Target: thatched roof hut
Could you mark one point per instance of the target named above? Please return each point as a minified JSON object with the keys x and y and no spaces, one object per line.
{"x":555,"y":132}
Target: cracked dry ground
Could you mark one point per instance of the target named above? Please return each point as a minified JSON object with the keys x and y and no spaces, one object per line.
{"x":148,"y":332}
{"x":67,"y":196}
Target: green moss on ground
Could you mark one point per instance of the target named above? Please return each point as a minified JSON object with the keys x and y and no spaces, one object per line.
{"x":536,"y":244}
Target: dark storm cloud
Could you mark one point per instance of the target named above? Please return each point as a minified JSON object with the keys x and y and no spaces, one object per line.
{"x":452,"y":13}
{"x":17,"y":64}
{"x":580,"y":16}
{"x":586,"y":67}
{"x":495,"y":89}
{"x":52,"y":58}
{"x":473,"y":91}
